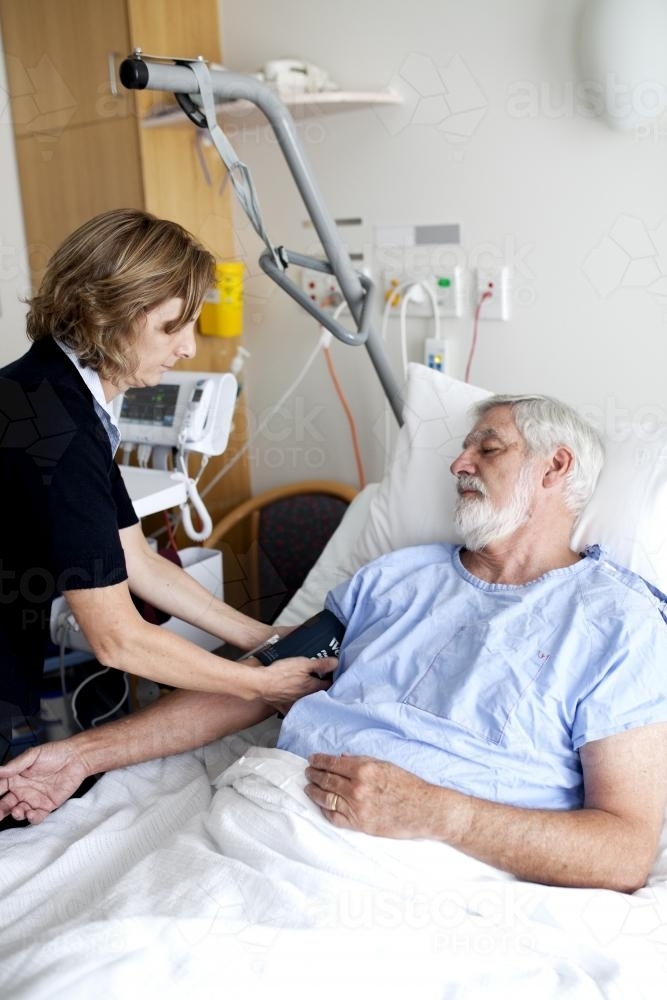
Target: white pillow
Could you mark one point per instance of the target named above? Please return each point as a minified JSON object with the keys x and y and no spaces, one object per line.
{"x":627,"y":514}
{"x":415,"y":501}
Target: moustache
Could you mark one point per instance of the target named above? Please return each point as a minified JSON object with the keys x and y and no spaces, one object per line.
{"x":471,"y":483}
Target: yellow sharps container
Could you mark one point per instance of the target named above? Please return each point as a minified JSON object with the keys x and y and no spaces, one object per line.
{"x":222,"y":312}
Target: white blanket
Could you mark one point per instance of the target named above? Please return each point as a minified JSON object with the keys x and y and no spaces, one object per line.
{"x":168,"y":880}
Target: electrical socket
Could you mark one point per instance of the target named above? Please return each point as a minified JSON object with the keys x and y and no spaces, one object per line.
{"x":322,"y":288}
{"x":497,"y":281}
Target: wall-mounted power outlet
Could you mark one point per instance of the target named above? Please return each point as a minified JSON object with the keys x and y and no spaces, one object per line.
{"x":321,"y":288}
{"x":495,"y":280}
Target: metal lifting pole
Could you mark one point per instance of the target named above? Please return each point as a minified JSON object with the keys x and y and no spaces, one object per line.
{"x":185,"y":78}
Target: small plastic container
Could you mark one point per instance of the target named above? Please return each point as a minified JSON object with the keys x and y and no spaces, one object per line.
{"x":222,"y":312}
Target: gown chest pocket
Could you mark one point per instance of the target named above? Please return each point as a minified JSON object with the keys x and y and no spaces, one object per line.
{"x":478,"y":678}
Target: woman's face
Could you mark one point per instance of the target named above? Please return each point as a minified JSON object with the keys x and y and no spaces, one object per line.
{"x":157,"y":350}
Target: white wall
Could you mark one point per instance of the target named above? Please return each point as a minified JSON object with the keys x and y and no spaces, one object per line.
{"x":14,"y":280}
{"x":579,"y":211}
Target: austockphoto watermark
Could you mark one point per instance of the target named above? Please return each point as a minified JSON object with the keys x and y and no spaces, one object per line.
{"x":479,"y":943}
{"x":611,"y":99}
{"x":241,"y":120}
{"x":294,"y":420}
{"x":656,"y":131}
{"x":505,"y":907}
{"x":310,"y":133}
{"x":17,"y":263}
{"x":420,"y":262}
{"x":288,"y":436}
{"x":38,"y":584}
{"x":646,"y":424}
{"x":289,"y":457}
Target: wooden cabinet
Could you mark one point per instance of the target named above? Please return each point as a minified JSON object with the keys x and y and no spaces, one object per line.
{"x":59,"y":192}
{"x":81,"y":148}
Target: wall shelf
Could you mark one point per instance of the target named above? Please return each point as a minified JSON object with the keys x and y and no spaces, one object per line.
{"x":302,"y":107}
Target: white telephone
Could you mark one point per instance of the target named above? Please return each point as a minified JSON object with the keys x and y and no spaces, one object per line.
{"x":197,"y":411}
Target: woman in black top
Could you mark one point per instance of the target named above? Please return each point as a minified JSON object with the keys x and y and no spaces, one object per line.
{"x":117,"y":308}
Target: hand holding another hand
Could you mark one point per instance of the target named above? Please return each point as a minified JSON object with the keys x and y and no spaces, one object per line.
{"x":41,"y":779}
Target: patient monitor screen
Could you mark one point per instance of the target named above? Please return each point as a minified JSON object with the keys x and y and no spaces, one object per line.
{"x":155,"y":405}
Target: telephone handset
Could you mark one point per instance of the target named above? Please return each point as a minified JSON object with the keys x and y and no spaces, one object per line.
{"x":197,"y":410}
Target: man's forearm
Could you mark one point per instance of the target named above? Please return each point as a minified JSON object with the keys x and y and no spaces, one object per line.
{"x":584,"y":847}
{"x":181,"y":720}
{"x":589,"y":847}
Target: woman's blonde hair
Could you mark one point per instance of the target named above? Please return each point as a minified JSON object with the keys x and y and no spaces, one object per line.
{"x":105,"y":277}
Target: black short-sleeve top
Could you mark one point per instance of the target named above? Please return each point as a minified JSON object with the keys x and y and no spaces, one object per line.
{"x":67,"y":501}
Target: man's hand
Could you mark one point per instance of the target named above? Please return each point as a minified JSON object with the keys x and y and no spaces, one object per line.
{"x":373,"y":796}
{"x":41,"y":779}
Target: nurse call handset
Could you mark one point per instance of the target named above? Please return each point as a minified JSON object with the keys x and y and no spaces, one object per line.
{"x":197,"y":411}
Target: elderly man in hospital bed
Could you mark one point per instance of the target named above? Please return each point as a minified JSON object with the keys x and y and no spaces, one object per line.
{"x":507,"y":697}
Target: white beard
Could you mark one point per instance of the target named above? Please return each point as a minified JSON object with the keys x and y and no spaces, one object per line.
{"x":480,"y":523}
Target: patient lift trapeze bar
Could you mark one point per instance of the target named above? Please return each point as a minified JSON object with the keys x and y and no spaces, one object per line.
{"x":186,"y":78}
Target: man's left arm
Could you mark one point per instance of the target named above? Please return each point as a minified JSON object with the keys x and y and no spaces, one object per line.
{"x":609,"y":843}
{"x":43,"y":777}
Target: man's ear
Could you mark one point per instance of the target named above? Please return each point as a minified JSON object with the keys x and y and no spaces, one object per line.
{"x":561,"y":463}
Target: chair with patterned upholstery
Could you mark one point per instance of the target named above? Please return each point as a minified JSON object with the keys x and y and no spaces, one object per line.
{"x":288,"y":528}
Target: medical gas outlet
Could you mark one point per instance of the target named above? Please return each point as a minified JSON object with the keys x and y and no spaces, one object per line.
{"x":444,"y":288}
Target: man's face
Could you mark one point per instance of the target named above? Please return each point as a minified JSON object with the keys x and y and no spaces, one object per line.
{"x":496,"y":481}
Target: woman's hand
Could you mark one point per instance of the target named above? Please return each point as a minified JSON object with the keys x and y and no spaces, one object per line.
{"x":285,"y":681}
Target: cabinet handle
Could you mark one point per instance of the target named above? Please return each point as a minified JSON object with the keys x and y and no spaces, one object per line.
{"x":112,"y":60}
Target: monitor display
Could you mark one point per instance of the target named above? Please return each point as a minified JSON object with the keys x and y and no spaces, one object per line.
{"x":154,"y":405}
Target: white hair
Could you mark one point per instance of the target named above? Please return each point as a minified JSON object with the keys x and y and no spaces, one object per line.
{"x":546,"y":424}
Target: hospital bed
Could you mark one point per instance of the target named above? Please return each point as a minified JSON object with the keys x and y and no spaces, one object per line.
{"x":210,"y":873}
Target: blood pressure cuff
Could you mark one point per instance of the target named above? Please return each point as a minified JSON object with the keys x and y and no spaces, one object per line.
{"x":318,"y":637}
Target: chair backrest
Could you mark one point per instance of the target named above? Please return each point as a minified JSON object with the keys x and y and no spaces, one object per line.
{"x":289,"y":527}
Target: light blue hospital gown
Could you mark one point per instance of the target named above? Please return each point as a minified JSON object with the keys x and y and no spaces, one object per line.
{"x":487,"y":688}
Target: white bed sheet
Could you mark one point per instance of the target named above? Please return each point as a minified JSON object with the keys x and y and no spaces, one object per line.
{"x":174,"y":878}
{"x":183,"y":878}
